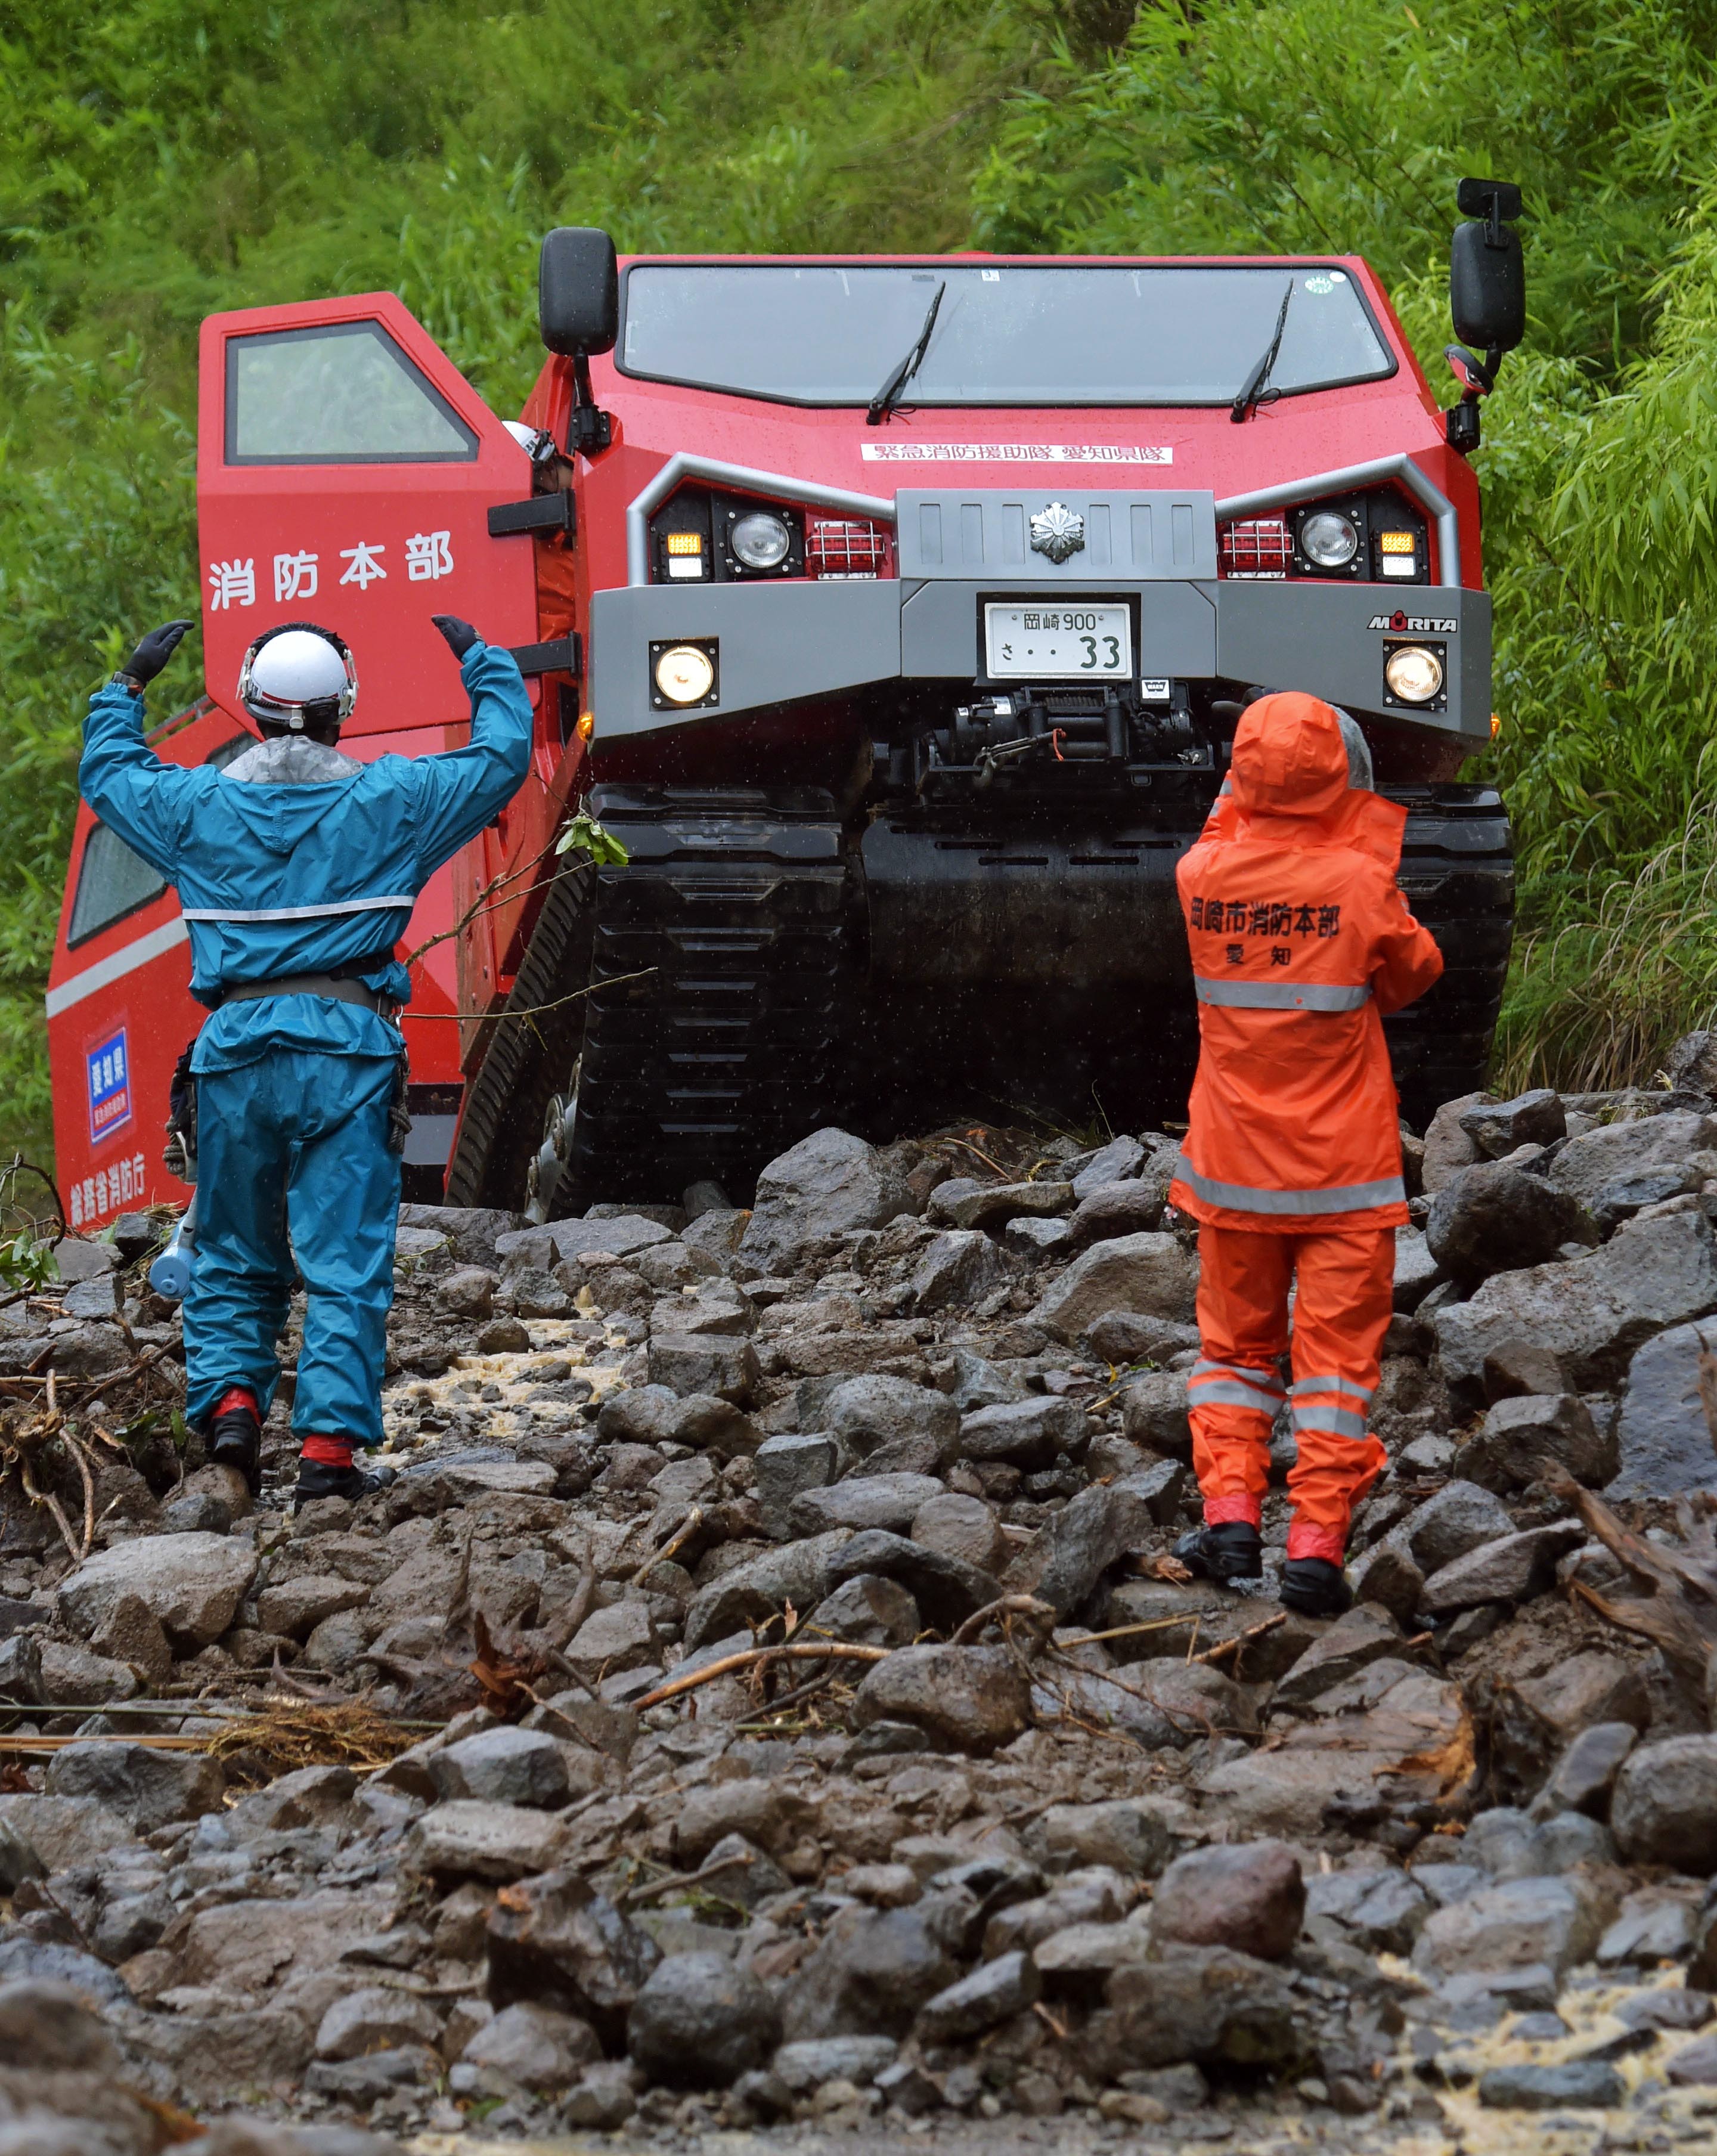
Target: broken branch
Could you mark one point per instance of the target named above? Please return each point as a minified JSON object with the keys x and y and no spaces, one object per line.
{"x":824,"y":1651}
{"x":737,"y":1862}
{"x":1008,"y":1605}
{"x":1239,"y":1639}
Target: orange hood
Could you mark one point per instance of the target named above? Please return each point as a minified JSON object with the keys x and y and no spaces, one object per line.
{"x":1289,"y":783}
{"x":1289,"y":759}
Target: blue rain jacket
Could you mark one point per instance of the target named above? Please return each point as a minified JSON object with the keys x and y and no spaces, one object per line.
{"x":296,"y":879}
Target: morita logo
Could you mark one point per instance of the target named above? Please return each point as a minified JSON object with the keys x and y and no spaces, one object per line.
{"x":1417,"y":625}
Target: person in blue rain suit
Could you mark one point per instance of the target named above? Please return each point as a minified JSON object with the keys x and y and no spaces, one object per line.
{"x":296,"y":869}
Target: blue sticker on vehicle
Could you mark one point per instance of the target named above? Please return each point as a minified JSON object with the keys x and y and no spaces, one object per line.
{"x":110,"y":1069}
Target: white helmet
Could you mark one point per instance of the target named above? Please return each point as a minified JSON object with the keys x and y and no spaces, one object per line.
{"x":297,"y":675}
{"x":531,"y":439}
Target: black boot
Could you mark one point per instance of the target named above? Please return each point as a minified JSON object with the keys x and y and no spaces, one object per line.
{"x":1233,"y":1550}
{"x":233,"y":1438}
{"x":317,"y":1479}
{"x":1315,"y":1587}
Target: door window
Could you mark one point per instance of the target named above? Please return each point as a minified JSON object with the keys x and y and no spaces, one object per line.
{"x":112,"y":882}
{"x":342,"y":393}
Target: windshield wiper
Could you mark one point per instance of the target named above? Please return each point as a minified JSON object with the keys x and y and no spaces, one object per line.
{"x":889,"y":396}
{"x":1254,"y":393}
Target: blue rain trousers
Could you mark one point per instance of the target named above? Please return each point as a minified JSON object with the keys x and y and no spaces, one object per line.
{"x":295,"y":1142}
{"x":293,"y":1090}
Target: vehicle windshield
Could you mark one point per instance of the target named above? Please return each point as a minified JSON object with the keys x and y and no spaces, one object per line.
{"x":833,"y":333}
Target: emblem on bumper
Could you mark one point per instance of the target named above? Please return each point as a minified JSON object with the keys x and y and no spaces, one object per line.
{"x":1058,"y":531}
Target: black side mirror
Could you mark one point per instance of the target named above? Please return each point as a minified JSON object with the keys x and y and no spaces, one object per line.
{"x":578,"y":291}
{"x":1487,"y":277}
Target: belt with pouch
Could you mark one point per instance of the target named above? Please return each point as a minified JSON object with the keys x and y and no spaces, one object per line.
{"x":340,"y":983}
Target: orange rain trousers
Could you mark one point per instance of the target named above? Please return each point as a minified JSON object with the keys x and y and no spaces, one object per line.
{"x":1343,"y":1292}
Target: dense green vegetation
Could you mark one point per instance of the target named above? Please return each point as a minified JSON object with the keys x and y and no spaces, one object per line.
{"x":164,"y":158}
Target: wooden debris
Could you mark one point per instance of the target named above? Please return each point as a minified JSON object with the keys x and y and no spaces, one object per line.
{"x":1679,"y":1615}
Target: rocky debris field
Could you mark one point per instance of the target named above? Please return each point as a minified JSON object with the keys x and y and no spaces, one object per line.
{"x":766,"y":1703}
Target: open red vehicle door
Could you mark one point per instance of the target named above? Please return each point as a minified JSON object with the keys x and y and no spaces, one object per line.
{"x":345,"y":472}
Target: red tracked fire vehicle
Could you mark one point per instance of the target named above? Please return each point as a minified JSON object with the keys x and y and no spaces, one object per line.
{"x":895,"y":615}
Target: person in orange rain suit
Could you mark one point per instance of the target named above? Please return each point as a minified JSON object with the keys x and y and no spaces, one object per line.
{"x":1301,"y":943}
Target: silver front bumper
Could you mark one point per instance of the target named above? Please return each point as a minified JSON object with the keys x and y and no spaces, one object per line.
{"x":794,"y":642}
{"x":798,"y":643}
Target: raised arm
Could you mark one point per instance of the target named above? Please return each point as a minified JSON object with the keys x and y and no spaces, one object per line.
{"x":120,"y":777}
{"x":462,"y":789}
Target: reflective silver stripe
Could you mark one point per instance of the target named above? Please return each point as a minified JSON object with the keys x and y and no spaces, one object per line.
{"x":1339,"y":1197}
{"x":1303,"y":1385}
{"x":116,"y":965}
{"x":1339,"y":1422}
{"x":1222,"y":1395}
{"x":300,"y":912}
{"x":1234,"y":1385}
{"x":1279,"y":995}
{"x":1266,"y":1380}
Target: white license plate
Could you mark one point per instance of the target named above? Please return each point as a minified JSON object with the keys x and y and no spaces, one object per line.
{"x":1059,"y":643}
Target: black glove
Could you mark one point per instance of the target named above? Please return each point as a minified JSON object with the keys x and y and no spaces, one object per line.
{"x":153,"y":653}
{"x":459,"y":634}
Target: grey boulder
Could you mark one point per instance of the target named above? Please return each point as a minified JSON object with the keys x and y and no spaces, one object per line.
{"x":946,"y":1589}
{"x":965,"y":1699}
{"x":995,"y":1991}
{"x":1460,"y":1518}
{"x":1512,"y":1569}
{"x":1664,"y":1443}
{"x":961,"y":1266}
{"x":1026,"y":1434}
{"x":1062,"y":1565}
{"x":876,"y":1414}
{"x":1664,"y":1808}
{"x":1518,"y":1437}
{"x":1448,"y":1148}
{"x":1249,"y":1895}
{"x":193,"y":1584}
{"x":797,"y":1572}
{"x":890,"y":1501}
{"x":1591,"y":1312}
{"x":506,"y":1766}
{"x":1121,"y":1159}
{"x":1148,"y":1274}
{"x":1496,"y":1127}
{"x":146,"y":1789}
{"x":1586,"y":1163}
{"x":1493,"y":1217}
{"x":701,"y":2020}
{"x":1206,"y":2004}
{"x":1117,"y":1209}
{"x":1523,"y":1923}
{"x":825,"y":1185}
{"x":869,"y":1974}
{"x":1154,"y":1412}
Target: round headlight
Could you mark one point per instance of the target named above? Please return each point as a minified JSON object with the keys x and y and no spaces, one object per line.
{"x":1413,"y":674}
{"x":1329,"y":540}
{"x":760,"y":540}
{"x":683,"y":674}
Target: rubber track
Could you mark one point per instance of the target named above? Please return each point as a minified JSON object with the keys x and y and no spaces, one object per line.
{"x":527,"y":1059}
{"x":1457,"y":875}
{"x":720,"y":984}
